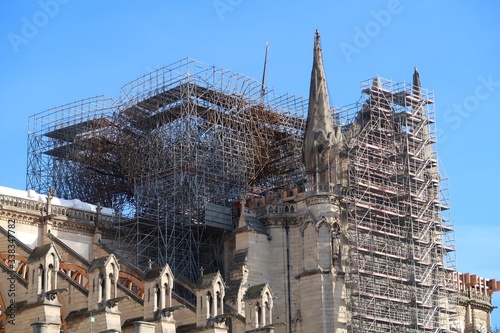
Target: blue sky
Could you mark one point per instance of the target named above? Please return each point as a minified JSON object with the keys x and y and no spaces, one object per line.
{"x":53,"y":52}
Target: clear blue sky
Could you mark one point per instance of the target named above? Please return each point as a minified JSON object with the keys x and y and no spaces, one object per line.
{"x":52,"y":55}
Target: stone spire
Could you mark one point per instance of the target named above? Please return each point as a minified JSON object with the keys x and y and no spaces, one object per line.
{"x":419,"y":111}
{"x":416,"y":84}
{"x":321,"y":136}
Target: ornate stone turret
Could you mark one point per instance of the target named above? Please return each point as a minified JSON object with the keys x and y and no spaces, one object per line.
{"x":43,"y":265}
{"x":103,"y":298}
{"x":323,"y":140}
{"x":158,"y":284}
{"x":158,"y":307}
{"x":259,"y":308}
{"x":103,"y":276}
{"x":210,"y":303}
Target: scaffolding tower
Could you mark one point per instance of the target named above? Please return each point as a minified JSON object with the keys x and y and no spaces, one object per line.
{"x":401,"y":257}
{"x":68,"y":146}
{"x":175,"y":151}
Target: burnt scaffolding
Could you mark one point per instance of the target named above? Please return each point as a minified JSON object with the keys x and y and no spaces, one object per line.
{"x":401,"y":258}
{"x":172,"y":155}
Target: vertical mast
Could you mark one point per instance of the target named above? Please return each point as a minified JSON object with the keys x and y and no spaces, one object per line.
{"x":263,"y":86}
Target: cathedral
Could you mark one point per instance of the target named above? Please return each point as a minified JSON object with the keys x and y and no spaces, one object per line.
{"x":354,"y":239}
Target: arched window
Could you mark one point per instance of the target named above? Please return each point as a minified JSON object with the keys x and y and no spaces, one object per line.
{"x":41,"y":279}
{"x":158,"y":295}
{"x":168,"y":301}
{"x":113,"y":275}
{"x":258,"y":314}
{"x":50,"y":278}
{"x":218,"y":300}
{"x":265,"y":317}
{"x":102,"y":285}
{"x":209,"y":302}
{"x":219,"y":296}
{"x":268,"y":308}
